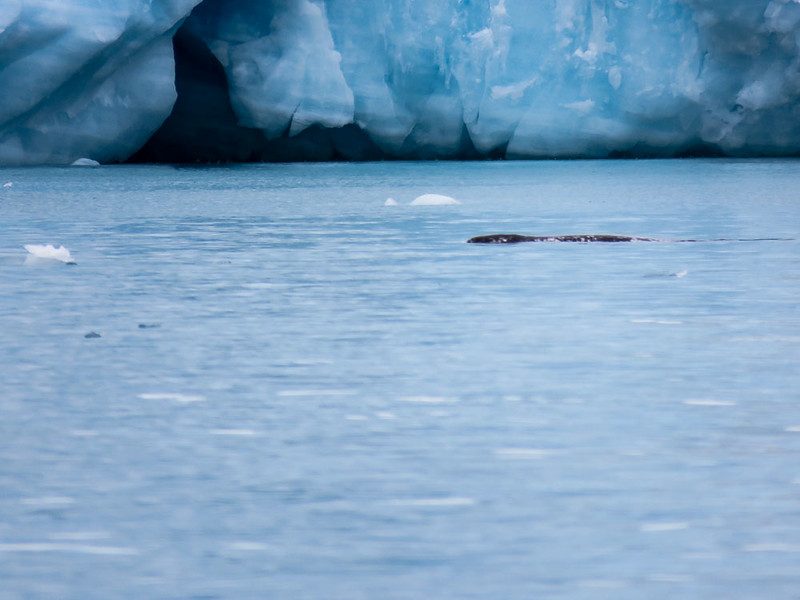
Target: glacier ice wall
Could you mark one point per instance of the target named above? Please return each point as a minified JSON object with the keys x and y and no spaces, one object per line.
{"x":84,"y":77}
{"x":321,"y":79}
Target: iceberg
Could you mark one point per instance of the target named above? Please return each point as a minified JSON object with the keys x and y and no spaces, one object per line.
{"x":85,"y":162}
{"x":434,"y":200}
{"x":259,"y":80}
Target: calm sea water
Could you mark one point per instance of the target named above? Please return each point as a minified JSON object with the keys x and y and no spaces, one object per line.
{"x":300,"y":393}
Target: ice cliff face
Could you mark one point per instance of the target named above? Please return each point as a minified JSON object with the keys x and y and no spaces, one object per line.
{"x":322,"y":79}
{"x":84,"y":77}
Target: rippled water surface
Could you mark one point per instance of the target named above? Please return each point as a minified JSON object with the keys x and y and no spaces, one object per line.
{"x":292,"y":391}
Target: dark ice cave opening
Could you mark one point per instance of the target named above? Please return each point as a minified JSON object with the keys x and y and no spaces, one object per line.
{"x":203,"y":128}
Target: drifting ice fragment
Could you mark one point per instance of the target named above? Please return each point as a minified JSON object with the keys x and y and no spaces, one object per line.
{"x":85,"y":162}
{"x":50,"y":252}
{"x":434,"y":200}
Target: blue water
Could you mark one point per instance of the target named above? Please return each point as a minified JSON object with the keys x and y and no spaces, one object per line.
{"x":300,"y":393}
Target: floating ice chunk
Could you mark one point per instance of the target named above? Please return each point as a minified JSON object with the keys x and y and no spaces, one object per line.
{"x":434,"y":200}
{"x":390,"y":202}
{"x":85,"y":162}
{"x":50,"y":252}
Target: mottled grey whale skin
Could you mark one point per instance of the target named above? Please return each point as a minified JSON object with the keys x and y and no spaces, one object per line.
{"x":515,"y":238}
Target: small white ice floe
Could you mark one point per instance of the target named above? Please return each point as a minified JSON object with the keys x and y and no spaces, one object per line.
{"x":85,"y":162}
{"x":390,"y":202}
{"x":50,"y":252}
{"x":433,"y":200}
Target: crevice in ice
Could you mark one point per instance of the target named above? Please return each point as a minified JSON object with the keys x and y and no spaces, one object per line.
{"x":202,"y":126}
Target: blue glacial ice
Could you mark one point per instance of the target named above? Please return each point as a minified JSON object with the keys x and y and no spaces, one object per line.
{"x":184,"y":80}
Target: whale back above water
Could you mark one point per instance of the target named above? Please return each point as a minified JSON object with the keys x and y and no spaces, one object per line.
{"x":515,"y":238}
